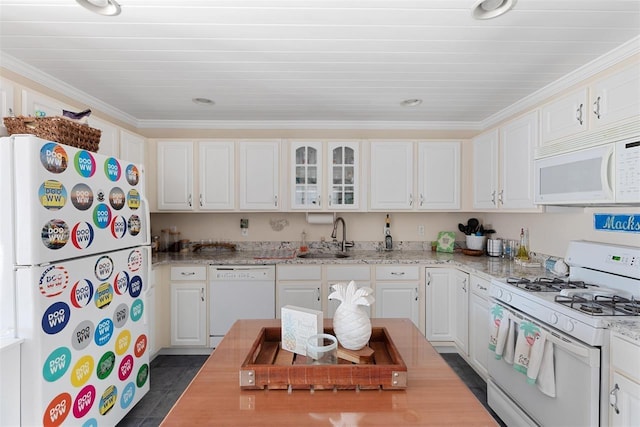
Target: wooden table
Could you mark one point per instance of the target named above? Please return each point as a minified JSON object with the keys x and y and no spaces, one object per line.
{"x":434,"y":394}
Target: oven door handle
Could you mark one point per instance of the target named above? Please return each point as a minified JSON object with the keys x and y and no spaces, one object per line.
{"x":569,"y":346}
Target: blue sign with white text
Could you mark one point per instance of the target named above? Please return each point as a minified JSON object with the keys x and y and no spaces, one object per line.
{"x":625,"y":223}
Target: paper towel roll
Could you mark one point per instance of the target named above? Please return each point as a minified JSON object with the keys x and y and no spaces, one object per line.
{"x":320,"y":218}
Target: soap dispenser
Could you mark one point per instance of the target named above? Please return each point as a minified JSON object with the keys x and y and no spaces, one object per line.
{"x":388,"y":240}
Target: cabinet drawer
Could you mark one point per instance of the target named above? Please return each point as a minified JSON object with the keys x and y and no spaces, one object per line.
{"x":625,"y":356}
{"x":348,"y":272}
{"x":480,"y":286}
{"x":299,"y":272}
{"x":397,"y":272}
{"x":189,"y":272}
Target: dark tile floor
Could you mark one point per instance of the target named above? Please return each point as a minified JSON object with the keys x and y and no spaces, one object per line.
{"x":170,"y":375}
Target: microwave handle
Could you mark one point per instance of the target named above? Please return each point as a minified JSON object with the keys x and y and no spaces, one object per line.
{"x":606,"y":169}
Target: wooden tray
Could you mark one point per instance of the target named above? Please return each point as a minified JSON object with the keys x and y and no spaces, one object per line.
{"x":268,"y":366}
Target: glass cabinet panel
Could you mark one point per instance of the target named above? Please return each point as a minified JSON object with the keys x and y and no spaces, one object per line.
{"x":307,"y":170}
{"x":343,"y":176}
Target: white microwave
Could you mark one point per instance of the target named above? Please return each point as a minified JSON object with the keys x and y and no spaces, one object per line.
{"x":602,"y":175}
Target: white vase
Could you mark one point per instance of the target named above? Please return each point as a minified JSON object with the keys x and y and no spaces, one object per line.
{"x":476,"y":242}
{"x":352,"y":326}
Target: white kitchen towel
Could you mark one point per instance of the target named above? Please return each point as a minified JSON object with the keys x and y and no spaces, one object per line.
{"x":495,"y":320}
{"x":503,"y":330}
{"x":510,"y":346}
{"x":527,"y":333}
{"x":546,"y":380}
{"x":536,"y":354}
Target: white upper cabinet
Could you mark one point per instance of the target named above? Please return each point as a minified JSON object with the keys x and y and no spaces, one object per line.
{"x":214,"y":186}
{"x":260,"y":175}
{"x":306,"y":172}
{"x":324,"y":175}
{"x":175,"y":175}
{"x":343,"y":175}
{"x":485,"y":170}
{"x":216,"y":175}
{"x":391,"y":175}
{"x":519,"y":139}
{"x":616,"y":97}
{"x":505,"y":180}
{"x":439,"y":175}
{"x":132,"y":147}
{"x":109,"y":138}
{"x":566,"y":116}
{"x":608,"y":100}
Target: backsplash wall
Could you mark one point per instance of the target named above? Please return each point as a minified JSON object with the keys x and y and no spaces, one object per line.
{"x":550,"y":232}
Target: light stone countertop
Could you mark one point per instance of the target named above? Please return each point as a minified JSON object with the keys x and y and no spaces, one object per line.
{"x":483,"y":266}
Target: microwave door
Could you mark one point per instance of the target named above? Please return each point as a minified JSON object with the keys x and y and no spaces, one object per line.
{"x":581,"y":177}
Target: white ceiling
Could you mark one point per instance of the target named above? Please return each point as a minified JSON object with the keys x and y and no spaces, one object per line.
{"x":311,"y":60}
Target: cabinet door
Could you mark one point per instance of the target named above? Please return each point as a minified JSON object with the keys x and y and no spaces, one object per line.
{"x":306,"y":174}
{"x":461,"y":312}
{"x":391,"y":179}
{"x":616,"y":97}
{"x":188,"y":314}
{"x":479,"y":334}
{"x":564,"y":117}
{"x":217,"y":175}
{"x":259,"y":175}
{"x":300,"y":294}
{"x":109,"y":138}
{"x":398,"y":300}
{"x":343,"y":175}
{"x":439,"y":300}
{"x":439,"y":175}
{"x":485,"y":171}
{"x":132,"y":147}
{"x":518,"y":142}
{"x":175,"y":175}
{"x":627,"y":399}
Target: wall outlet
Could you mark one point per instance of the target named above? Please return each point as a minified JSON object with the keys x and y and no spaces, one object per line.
{"x":421,"y":230}
{"x":244,"y":226}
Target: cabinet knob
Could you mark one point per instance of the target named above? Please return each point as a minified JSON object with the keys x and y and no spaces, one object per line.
{"x":500,"y":194}
{"x":410,"y":199}
{"x":275,"y":200}
{"x":200,"y":199}
{"x":493,"y":197}
{"x":189,"y":200}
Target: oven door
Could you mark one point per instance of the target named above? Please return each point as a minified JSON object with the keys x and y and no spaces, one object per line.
{"x":577,"y":376}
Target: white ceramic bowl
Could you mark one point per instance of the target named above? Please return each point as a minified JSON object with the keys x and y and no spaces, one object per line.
{"x":476,"y":242}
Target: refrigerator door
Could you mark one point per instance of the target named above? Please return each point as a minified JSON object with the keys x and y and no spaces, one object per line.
{"x":70,"y":202}
{"x":85,"y":358}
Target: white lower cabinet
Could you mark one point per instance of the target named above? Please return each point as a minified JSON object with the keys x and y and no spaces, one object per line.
{"x":624,"y":397}
{"x":188,"y":306}
{"x":479,"y":325}
{"x":397,"y":291}
{"x":439,"y":302}
{"x":299,"y":285}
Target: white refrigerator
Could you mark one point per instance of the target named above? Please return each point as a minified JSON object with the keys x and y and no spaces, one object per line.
{"x":75,"y":262}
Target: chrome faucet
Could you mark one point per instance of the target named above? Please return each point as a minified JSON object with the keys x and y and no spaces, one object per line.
{"x":344,"y":244}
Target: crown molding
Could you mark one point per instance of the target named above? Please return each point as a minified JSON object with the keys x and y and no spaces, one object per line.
{"x":306,"y":124}
{"x":38,"y":76}
{"x":609,"y":59}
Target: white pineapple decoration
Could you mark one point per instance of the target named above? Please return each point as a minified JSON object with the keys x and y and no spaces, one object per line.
{"x":351,"y":323}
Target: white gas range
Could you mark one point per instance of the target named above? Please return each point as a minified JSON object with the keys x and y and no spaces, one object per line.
{"x":575,"y":313}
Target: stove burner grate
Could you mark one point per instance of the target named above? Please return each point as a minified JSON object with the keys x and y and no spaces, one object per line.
{"x":601,"y":305}
{"x":591,"y":308}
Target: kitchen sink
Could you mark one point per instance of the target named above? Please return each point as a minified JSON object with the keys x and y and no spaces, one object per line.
{"x":320,"y":255}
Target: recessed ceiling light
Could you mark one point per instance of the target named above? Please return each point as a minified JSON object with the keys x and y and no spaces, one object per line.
{"x":487,"y":9}
{"x":101,"y":7}
{"x":203,"y":101}
{"x":411,"y":102}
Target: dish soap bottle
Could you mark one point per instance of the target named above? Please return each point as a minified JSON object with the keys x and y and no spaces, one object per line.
{"x":388,"y":240}
{"x":523,"y":251}
{"x":303,"y":242}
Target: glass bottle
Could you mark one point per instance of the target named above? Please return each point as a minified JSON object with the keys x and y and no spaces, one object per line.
{"x":523,"y":251}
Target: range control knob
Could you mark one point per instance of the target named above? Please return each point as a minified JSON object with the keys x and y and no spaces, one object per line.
{"x":508,"y":296}
{"x":499,"y":293}
{"x":568,"y":326}
{"x":553,"y":318}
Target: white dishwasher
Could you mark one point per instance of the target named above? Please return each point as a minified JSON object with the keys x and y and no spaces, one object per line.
{"x":239,"y":292}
